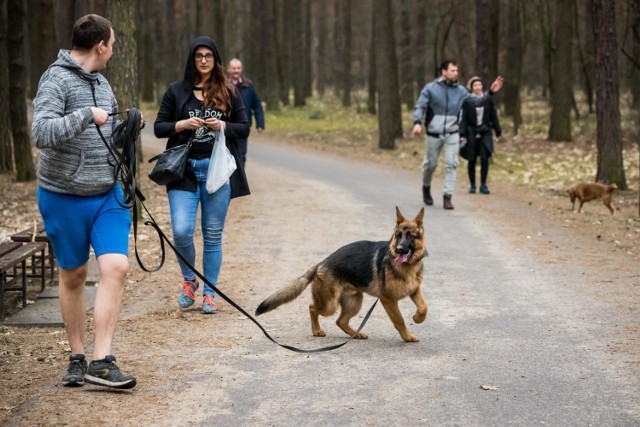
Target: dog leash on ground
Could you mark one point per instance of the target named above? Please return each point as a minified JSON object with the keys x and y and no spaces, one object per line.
{"x":127,"y":134}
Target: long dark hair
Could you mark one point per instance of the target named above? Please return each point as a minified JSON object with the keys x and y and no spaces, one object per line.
{"x":217,"y":92}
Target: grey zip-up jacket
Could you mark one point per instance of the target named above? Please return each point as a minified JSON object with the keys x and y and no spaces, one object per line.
{"x":73,"y":158}
{"x":443,"y":105}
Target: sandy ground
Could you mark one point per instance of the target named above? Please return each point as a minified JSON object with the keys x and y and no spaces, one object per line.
{"x":33,"y":360}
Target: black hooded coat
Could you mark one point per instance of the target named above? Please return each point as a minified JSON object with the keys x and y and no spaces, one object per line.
{"x":173,"y":108}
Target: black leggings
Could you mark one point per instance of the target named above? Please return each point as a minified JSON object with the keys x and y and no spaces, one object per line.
{"x":483,"y":153}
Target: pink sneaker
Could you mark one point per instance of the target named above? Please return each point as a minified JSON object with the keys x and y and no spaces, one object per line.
{"x":188,"y":296}
{"x":209,"y":306}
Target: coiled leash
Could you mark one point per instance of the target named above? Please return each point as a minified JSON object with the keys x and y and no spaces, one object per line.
{"x":126,"y":134}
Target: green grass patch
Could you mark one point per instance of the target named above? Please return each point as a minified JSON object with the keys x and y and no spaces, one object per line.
{"x":323,"y":120}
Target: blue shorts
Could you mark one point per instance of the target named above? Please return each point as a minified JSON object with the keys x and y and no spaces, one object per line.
{"x":73,"y":223}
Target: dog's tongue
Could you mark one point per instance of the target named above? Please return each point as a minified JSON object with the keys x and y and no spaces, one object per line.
{"x":401,"y":259}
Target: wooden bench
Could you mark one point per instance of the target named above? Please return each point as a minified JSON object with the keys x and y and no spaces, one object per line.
{"x":14,"y":270}
{"x":26,"y":236}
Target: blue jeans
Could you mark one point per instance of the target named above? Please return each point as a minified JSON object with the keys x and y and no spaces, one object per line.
{"x":184,"y":209}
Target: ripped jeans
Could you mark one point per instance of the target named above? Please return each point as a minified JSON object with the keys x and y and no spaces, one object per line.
{"x":184,"y":209}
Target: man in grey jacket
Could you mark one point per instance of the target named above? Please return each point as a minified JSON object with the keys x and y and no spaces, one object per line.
{"x":78,"y":195}
{"x":441,"y":101}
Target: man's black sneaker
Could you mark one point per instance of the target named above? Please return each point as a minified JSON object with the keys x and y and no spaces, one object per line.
{"x":74,"y":377}
{"x":106,"y":373}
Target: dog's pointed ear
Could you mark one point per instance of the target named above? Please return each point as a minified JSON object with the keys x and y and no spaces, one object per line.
{"x":420,"y":216}
{"x":399,"y":217}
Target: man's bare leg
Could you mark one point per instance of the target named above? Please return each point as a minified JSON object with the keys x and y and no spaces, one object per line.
{"x":71,"y":298}
{"x":113,"y":271}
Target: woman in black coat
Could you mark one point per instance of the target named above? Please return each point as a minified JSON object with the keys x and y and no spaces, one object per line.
{"x":476,"y":126}
{"x":193,"y":110}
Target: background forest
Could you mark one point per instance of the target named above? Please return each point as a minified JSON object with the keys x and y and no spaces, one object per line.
{"x":577,"y":61}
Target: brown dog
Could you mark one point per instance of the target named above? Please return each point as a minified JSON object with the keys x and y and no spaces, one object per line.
{"x":389,"y":270}
{"x":589,"y":191}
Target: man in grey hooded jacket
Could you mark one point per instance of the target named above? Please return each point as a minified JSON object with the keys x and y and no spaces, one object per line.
{"x":78,"y":195}
{"x":441,"y":101}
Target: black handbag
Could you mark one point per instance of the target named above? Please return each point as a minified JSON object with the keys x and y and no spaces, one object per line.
{"x":170,"y":164}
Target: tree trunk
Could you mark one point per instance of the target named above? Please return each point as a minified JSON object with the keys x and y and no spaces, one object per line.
{"x":270,"y":89}
{"x":64,"y":15}
{"x":420,"y":47}
{"x":252,"y":53}
{"x":544,"y":20}
{"x":610,"y":160}
{"x":462,"y":23}
{"x":561,"y":84}
{"x":147,"y":49}
{"x":487,"y":30}
{"x":586,"y":62}
{"x":6,"y":140}
{"x":321,"y":58}
{"x":285,"y":58}
{"x":308,"y":47}
{"x":389,"y":107}
{"x":440,"y":41}
{"x":217,"y":18}
{"x":345,"y":57}
{"x":371,"y":82}
{"x":25,"y":168}
{"x":495,"y":38}
{"x":122,"y":69}
{"x":406,"y":56}
{"x":180,"y":36}
{"x":297,"y":46}
{"x":172,"y":49}
{"x":514,"y":57}
{"x":42,"y":48}
{"x":634,"y":49}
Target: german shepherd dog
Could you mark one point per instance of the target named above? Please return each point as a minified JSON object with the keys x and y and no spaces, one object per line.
{"x":389,"y":270}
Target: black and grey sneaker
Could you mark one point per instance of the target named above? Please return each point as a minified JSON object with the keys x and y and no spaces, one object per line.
{"x":106,"y":373}
{"x":74,"y":377}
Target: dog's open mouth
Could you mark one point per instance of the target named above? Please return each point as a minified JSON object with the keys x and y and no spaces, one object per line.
{"x":402,"y":258}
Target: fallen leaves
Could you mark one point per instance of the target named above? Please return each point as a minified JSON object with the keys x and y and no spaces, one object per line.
{"x":488,"y":387}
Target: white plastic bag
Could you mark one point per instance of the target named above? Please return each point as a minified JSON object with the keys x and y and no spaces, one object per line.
{"x":221,"y":166}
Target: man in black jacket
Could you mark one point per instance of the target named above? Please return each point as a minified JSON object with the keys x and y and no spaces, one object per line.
{"x":252,"y":102}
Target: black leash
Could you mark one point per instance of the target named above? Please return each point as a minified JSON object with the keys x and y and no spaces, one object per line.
{"x":125,"y":165}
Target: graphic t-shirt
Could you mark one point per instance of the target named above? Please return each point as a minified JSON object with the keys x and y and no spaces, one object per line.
{"x":204,"y":137}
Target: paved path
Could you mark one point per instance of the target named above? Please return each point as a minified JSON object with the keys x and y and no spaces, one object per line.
{"x":519,"y":308}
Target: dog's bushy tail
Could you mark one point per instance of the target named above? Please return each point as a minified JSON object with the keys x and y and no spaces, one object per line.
{"x":288,"y":293}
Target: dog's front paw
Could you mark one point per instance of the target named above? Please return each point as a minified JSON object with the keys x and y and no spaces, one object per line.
{"x":319,"y":333}
{"x":361,"y":336}
{"x":411,"y":338}
{"x":419,"y":317}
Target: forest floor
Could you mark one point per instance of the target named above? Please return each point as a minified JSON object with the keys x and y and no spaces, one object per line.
{"x":528,"y":170}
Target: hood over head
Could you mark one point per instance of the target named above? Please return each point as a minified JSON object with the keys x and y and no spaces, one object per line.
{"x":190,"y":70}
